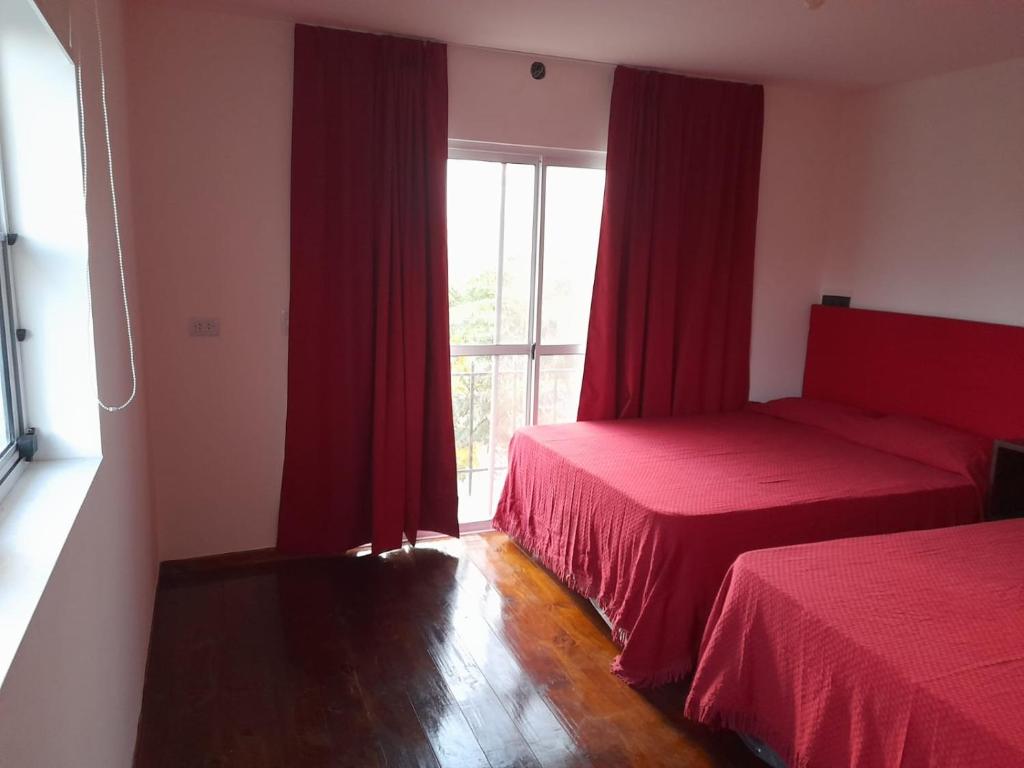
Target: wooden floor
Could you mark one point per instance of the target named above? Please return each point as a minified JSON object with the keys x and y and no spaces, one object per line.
{"x":452,"y":654}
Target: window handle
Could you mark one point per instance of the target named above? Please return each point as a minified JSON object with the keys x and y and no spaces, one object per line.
{"x":28,"y":444}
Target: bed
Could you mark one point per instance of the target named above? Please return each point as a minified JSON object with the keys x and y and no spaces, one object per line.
{"x":646,"y":516}
{"x":904,"y":649}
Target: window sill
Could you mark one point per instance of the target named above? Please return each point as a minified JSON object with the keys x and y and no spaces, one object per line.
{"x":36,"y":517}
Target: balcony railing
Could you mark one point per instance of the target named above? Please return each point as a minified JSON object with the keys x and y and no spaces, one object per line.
{"x":488,"y":405}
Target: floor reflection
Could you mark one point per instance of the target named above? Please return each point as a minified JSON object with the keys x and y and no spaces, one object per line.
{"x":452,"y":653}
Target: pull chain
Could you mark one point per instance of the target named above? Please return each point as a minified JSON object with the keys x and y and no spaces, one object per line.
{"x":113,"y":201}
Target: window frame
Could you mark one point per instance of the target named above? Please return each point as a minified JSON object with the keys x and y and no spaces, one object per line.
{"x":10,"y":363}
{"x":541,"y":158}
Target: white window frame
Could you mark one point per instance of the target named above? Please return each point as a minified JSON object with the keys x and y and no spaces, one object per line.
{"x":540,"y":158}
{"x":10,"y":363}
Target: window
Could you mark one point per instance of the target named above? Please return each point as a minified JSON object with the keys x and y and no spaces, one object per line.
{"x":47,"y":379}
{"x":522,"y":246}
{"x":10,"y":382}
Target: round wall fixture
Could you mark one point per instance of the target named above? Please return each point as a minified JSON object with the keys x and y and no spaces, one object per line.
{"x":538,"y":70}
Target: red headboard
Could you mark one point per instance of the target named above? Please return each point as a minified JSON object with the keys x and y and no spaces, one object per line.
{"x":965,"y":374}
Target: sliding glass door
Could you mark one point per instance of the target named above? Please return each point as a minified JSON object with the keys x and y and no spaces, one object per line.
{"x":522,"y":244}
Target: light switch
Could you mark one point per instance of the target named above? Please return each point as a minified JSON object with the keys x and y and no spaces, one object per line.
{"x":204,"y":326}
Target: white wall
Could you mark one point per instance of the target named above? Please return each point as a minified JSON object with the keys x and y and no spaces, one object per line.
{"x":798,"y":159}
{"x":928,"y":206}
{"x":72,"y":694}
{"x":492,"y":97}
{"x":212,"y":104}
{"x":211,"y":120}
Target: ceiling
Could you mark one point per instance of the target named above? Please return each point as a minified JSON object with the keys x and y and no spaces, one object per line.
{"x":845,"y":42}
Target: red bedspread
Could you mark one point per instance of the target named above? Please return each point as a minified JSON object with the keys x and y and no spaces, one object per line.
{"x":880,"y":651}
{"x":646,"y":516}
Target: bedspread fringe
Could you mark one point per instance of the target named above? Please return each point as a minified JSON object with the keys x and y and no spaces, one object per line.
{"x":584,"y":586}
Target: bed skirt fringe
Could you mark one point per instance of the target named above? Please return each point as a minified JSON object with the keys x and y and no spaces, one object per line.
{"x":583,"y":585}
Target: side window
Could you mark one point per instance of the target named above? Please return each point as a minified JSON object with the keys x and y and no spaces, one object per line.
{"x":12,"y":425}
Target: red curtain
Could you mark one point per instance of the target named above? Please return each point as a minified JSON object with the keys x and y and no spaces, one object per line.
{"x":370,"y":447}
{"x":670,"y":318}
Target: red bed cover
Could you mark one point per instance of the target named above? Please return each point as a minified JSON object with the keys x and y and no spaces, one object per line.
{"x":879,"y":651}
{"x":646,"y":516}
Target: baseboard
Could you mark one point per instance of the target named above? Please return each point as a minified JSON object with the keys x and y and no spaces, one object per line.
{"x":257,"y":557}
{"x":209,"y":563}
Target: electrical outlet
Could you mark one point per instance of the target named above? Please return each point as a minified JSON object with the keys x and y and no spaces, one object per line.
{"x":204,"y":326}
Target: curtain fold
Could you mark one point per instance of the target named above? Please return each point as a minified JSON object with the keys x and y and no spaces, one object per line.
{"x":369,"y":447}
{"x":671,"y":311}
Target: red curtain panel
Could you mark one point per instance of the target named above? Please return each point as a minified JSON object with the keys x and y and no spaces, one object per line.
{"x":370,"y":447}
{"x":670,"y":318}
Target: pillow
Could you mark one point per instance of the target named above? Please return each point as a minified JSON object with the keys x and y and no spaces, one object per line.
{"x":920,"y":440}
{"x":831,"y":417}
{"x":931,"y":443}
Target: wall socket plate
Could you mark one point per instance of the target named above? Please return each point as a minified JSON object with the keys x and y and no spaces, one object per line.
{"x":204,"y":326}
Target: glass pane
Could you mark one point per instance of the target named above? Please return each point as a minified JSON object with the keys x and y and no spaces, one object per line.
{"x":7,"y":436}
{"x":513,"y":320}
{"x":489,"y":404}
{"x":559,"y":391}
{"x":572,"y":222}
{"x":490,"y":246}
{"x":474,"y":229}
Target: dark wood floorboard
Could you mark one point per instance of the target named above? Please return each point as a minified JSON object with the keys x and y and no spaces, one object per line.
{"x":453,"y":654}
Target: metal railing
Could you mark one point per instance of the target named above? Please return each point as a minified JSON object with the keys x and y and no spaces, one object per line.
{"x":471,"y":399}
